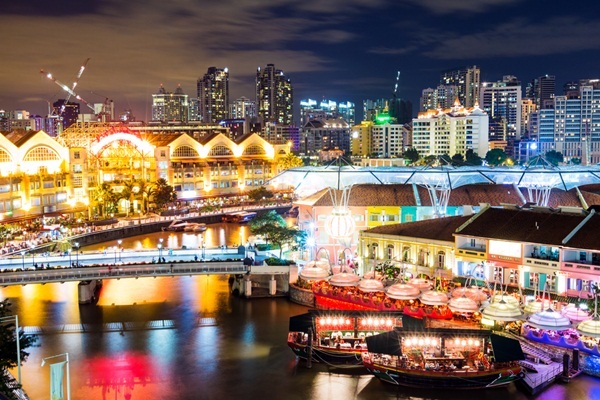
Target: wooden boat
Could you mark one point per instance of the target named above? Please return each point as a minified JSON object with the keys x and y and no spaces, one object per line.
{"x":336,"y":337}
{"x":417,"y":356}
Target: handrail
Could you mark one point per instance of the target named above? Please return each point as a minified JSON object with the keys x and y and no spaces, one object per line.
{"x":121,"y":271}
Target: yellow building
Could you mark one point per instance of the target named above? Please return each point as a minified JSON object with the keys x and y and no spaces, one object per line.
{"x":42,"y":175}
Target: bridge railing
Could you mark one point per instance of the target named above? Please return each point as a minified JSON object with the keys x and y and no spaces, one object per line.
{"x":121,"y":271}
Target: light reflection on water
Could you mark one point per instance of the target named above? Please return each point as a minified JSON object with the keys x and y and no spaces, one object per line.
{"x":239,"y":353}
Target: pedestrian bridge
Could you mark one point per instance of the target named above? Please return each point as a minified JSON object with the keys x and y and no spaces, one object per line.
{"x":118,"y":271}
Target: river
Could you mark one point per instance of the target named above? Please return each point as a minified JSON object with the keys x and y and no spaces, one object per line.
{"x":188,"y":338}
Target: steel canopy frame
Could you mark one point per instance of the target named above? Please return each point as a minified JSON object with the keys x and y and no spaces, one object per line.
{"x":538,"y":180}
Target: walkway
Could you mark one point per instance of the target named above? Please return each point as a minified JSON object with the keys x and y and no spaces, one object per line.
{"x":111,"y":271}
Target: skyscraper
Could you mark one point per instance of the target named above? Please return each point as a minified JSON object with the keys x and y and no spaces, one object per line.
{"x":213,"y":95}
{"x":170,"y":107}
{"x":542,"y":90}
{"x":467,"y":82}
{"x":502,"y":101}
{"x":274,"y":96}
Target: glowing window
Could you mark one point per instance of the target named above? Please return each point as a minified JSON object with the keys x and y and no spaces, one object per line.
{"x":185,"y":151}
{"x":41,"y":153}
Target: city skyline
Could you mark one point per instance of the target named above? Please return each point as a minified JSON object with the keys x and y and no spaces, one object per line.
{"x":344,"y":51}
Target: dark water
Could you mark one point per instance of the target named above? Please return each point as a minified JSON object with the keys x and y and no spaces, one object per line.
{"x":205,"y":344}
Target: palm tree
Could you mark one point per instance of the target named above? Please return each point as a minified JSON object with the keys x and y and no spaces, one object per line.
{"x":145,"y":190}
{"x":105,"y":197}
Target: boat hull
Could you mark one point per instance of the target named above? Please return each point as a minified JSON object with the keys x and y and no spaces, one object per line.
{"x":445,"y":380}
{"x":328,"y":355}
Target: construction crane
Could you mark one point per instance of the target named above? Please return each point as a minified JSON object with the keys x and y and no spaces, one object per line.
{"x":395,"y":93}
{"x":70,"y":90}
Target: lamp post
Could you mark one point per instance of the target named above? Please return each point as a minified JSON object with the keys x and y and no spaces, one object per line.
{"x":120,"y":248}
{"x":77,"y":254}
{"x":69,"y":251}
{"x":23,"y":259}
{"x":115,"y":255}
{"x":66,"y":356}
{"x":16,"y":317}
{"x":203,"y":247}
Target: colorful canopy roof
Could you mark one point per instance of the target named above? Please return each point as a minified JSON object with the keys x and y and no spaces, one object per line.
{"x":402,"y":291}
{"x":344,"y":279}
{"x":549,"y":319}
{"x":503,"y":310}
{"x":434,"y":298}
{"x":370,"y":285}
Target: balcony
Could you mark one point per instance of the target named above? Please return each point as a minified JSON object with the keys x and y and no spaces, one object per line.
{"x":579,"y":266}
{"x":539,"y":261}
{"x":473,"y":251}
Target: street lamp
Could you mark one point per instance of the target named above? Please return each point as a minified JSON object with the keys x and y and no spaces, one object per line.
{"x":56,"y":387}
{"x":120,"y":249}
{"x":23,"y":259}
{"x":16,"y":317}
{"x":77,"y":254}
{"x":203,"y":247}
{"x":69,"y":251}
{"x":115,"y":255}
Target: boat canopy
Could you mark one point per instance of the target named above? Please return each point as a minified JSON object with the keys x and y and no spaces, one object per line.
{"x":301,"y":323}
{"x":385,"y":343}
{"x":506,"y":349}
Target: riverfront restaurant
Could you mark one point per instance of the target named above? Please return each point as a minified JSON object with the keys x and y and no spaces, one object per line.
{"x":531,"y":249}
{"x":44,"y":175}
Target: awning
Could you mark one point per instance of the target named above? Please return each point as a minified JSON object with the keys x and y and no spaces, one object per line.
{"x":384,"y":343}
{"x":506,"y":349}
{"x":301,"y":323}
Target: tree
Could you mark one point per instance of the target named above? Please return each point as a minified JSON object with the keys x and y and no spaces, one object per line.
{"x":495,"y":157}
{"x":412,"y":155}
{"x":260,"y":193}
{"x":163,"y":193}
{"x":458,"y":159}
{"x":472,"y":158}
{"x":554,"y":157}
{"x":273,"y":228}
{"x":8,"y":349}
{"x":106,"y":198}
{"x":290,"y":160}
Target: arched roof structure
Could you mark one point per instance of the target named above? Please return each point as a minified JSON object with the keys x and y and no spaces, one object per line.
{"x":538,"y":180}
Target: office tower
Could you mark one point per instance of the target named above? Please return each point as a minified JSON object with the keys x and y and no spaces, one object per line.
{"x":501,"y":100}
{"x":572,"y":125}
{"x":347,"y":110}
{"x":277,"y":134}
{"x":325,"y":134}
{"x":372,"y":108}
{"x":442,"y":96}
{"x":213,"y":95}
{"x":387,"y":138}
{"x":527,"y":109}
{"x":450,"y":132}
{"x":274,"y":96}
{"x":170,"y":107}
{"x":68,"y":112}
{"x":542,"y":91}
{"x":400,"y":110}
{"x":467,"y":82}
{"x":194,"y":109}
{"x":242,"y":108}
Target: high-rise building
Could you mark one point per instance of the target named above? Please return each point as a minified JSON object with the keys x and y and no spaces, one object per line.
{"x":242,"y":108}
{"x":68,"y":112}
{"x":347,"y":111}
{"x":325,"y":134}
{"x":327,"y":109}
{"x":372,"y":108}
{"x":274,"y":96}
{"x":213,"y":95}
{"x":572,"y":126}
{"x":467,"y":82}
{"x":170,"y":107}
{"x":442,"y":96}
{"x":542,"y":91}
{"x":451,"y":131}
{"x":501,"y":100}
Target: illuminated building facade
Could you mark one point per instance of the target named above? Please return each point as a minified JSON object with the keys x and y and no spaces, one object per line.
{"x":213,"y":95}
{"x":44,"y":175}
{"x":274,"y":96}
{"x":451,"y":131}
{"x":467,"y":82}
{"x":170,"y":107}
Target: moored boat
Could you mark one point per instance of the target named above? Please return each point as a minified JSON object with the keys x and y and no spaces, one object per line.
{"x":336,"y":337}
{"x":417,"y":356}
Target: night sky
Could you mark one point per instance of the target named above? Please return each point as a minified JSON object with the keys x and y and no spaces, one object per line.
{"x":334,"y":49}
